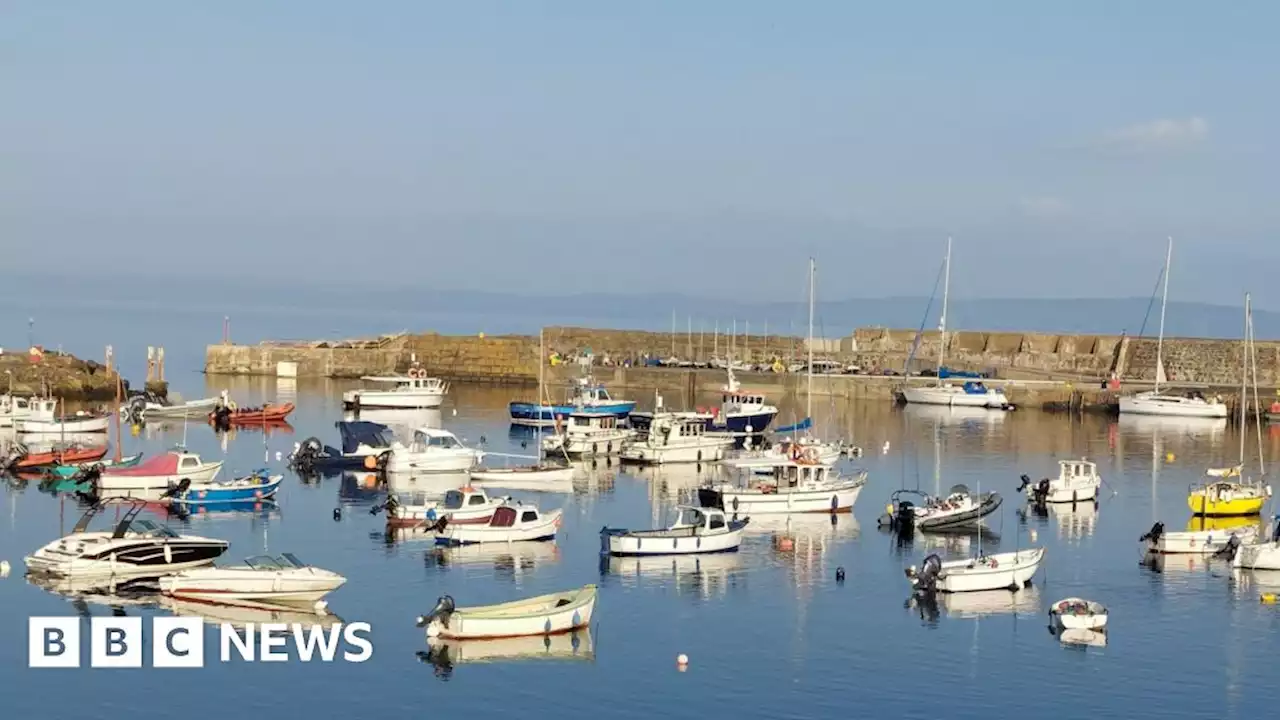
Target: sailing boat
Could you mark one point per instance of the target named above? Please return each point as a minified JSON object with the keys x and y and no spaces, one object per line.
{"x":969,"y":394}
{"x":1155,"y":402}
{"x":1232,"y":494}
{"x":542,"y":475}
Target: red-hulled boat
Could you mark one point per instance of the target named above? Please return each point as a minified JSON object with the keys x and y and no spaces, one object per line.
{"x":269,"y":413}
{"x":61,"y":456}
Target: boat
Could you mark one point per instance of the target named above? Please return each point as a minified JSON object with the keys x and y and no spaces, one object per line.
{"x":415,"y":389}
{"x":588,"y":434}
{"x":262,"y":577}
{"x":973,"y":392}
{"x":675,"y":439}
{"x":741,"y":412}
{"x":1198,"y":542}
{"x":1077,"y":481}
{"x":1012,"y":570}
{"x":463,"y":506}
{"x":21,"y":458}
{"x":227,"y":415}
{"x":800,"y":486}
{"x":512,"y":522}
{"x":160,"y":472}
{"x":134,"y":548}
{"x":550,"y":614}
{"x":444,"y":653}
{"x":1259,"y":554}
{"x":431,"y":450}
{"x":363,"y":443}
{"x":958,"y":509}
{"x":70,"y":470}
{"x":1157,"y":402}
{"x":13,"y":409}
{"x":1227,"y":497}
{"x":696,"y":530}
{"x":145,"y":408}
{"x":1078,"y":614}
{"x":42,"y":419}
{"x":254,"y":487}
{"x":586,"y":395}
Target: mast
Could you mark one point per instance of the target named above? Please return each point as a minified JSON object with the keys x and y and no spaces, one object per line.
{"x":542,"y":361}
{"x":942,"y":321}
{"x":1244,"y":379}
{"x":1168,"y":259}
{"x":808,"y":411}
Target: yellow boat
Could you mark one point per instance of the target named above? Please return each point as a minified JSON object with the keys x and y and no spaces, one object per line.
{"x":1228,"y":498}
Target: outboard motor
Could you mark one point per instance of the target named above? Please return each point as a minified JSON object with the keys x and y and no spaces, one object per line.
{"x":904,"y":519}
{"x":1041,"y":492}
{"x":306,"y":453}
{"x":927,"y":577}
{"x":137,"y":409}
{"x":1153,"y":535}
{"x":1230,"y":549}
{"x":222,"y":418}
{"x":443,"y":610}
{"x":177,"y":489}
{"x":1026,"y":481}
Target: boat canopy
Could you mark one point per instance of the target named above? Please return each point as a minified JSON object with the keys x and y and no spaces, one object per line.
{"x":959,"y":490}
{"x":285,"y":561}
{"x":945,"y":373}
{"x":1224,"y":472}
{"x":363,"y":432}
{"x":804,"y":424}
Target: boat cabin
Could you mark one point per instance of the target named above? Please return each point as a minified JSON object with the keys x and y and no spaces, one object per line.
{"x":664,"y":431}
{"x":737,"y":400}
{"x":464,"y":498}
{"x":791,"y":475}
{"x":435,"y":439}
{"x":589,"y":393}
{"x":269,"y":563}
{"x":1070,"y":470}
{"x":586,"y":422}
{"x":700,"y":519}
{"x":511,"y":515}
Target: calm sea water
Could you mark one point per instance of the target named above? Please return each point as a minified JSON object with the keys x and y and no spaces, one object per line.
{"x":769,"y":631}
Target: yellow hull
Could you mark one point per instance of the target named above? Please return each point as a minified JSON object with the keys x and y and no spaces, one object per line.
{"x":1201,"y":505}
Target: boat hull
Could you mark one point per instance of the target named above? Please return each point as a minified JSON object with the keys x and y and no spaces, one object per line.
{"x":235,"y":584}
{"x":595,"y":445}
{"x":989,"y":504}
{"x":240,"y":492}
{"x":745,"y":502}
{"x":1058,"y":493}
{"x":621,"y":543}
{"x":1148,"y":404}
{"x":404,"y":461}
{"x":1257,"y":556}
{"x":1200,"y":504}
{"x":1066,"y":616}
{"x":1199,"y":542}
{"x":109,"y":482}
{"x":140,"y":560}
{"x":524,"y":477}
{"x":534,"y":415}
{"x":535,"y":616}
{"x":955,"y":397}
{"x":392,"y":400}
{"x":1005,"y":570}
{"x":69,"y":425}
{"x":541,"y":530}
{"x":660,"y":455}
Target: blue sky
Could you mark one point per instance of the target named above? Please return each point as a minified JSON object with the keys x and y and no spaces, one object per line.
{"x":655,"y":146}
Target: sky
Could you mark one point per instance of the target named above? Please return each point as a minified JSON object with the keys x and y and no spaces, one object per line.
{"x":663,"y":146}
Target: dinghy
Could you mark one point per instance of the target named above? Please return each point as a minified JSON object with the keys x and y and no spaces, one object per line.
{"x":1260,"y":554}
{"x":262,"y":577}
{"x":1012,"y":570}
{"x":543,"y":615}
{"x":1077,"y":614}
{"x":959,"y":509}
{"x":255,"y":487}
{"x":1199,"y":542}
{"x":513,"y":522}
{"x":1077,"y":481}
{"x":696,"y":530}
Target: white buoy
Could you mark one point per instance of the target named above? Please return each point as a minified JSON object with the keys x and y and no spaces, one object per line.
{"x":1033,"y":534}
{"x":4,"y":569}
{"x":278,"y":456}
{"x":682,"y":659}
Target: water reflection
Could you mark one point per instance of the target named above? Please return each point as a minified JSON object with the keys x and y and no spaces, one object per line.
{"x":953,"y":416}
{"x":992,"y":602}
{"x":242,"y":613}
{"x":1081,"y":639}
{"x":443,"y":654}
{"x":361,"y":488}
{"x":427,"y":484}
{"x":507,"y":561}
{"x":1209,"y":430}
{"x":702,"y":575}
{"x":1074,"y":520}
{"x":402,"y":421}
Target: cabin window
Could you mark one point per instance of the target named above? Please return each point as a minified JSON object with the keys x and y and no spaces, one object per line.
{"x":717,"y":522}
{"x":189,"y":462}
{"x":604,"y":394}
{"x":452,"y":500}
{"x":503,"y":517}
{"x":476,"y":500}
{"x":529,"y":516}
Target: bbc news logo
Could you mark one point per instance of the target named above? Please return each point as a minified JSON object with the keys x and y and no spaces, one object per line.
{"x":178,"y":642}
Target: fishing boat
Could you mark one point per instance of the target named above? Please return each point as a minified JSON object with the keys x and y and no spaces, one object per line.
{"x":672,"y":438}
{"x":958,"y":509}
{"x":586,"y":395}
{"x":1012,"y":570}
{"x":134,"y":548}
{"x":363,"y":443}
{"x":1158,"y":402}
{"x":742,"y":412}
{"x":1078,"y":614}
{"x":228,"y":415}
{"x":1197,"y":542}
{"x":42,"y":419}
{"x":21,"y":458}
{"x":13,"y":409}
{"x":262,"y":577}
{"x":542,"y":615}
{"x":800,"y":486}
{"x":415,"y":389}
{"x":463,"y":506}
{"x":696,"y":530}
{"x":443,"y":653}
{"x":254,"y":487}
{"x":1259,"y":554}
{"x":158,"y":473}
{"x":1077,"y":481}
{"x":512,"y":522}
{"x":972,"y":393}
{"x":432,"y":450}
{"x":588,"y":434}
{"x":69,"y":470}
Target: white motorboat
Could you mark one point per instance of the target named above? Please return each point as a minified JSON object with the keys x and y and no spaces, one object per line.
{"x":958,"y":509}
{"x":543,"y":615}
{"x":588,"y":434}
{"x":1077,"y":481}
{"x":1078,"y":614}
{"x":159,"y":473}
{"x":1012,"y":570}
{"x":762,"y":461}
{"x":462,"y":506}
{"x":140,"y":408}
{"x":262,"y":577}
{"x":513,"y":522}
{"x":1156,"y":402}
{"x":547,"y":476}
{"x":741,"y":412}
{"x":414,"y":390}
{"x":41,"y":419}
{"x":134,"y":548}
{"x":673,"y":438}
{"x":445,"y":653}
{"x":696,"y":530}
{"x":797,"y":487}
{"x":1198,"y":542}
{"x":432,"y":450}
{"x":1259,"y":554}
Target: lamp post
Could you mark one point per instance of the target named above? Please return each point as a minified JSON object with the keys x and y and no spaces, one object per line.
{"x":31,"y":332}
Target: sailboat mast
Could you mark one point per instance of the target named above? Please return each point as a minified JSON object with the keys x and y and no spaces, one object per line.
{"x":808,"y":412}
{"x":942,"y":321}
{"x":1164,"y":301}
{"x":1244,"y":379}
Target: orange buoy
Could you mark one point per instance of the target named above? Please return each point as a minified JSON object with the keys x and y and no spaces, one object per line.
{"x":370,"y":462}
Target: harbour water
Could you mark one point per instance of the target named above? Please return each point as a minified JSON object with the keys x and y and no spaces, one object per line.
{"x":769,"y":631}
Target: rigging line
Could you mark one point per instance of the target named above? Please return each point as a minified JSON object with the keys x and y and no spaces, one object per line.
{"x":915,"y":344}
{"x":1151,"y":302}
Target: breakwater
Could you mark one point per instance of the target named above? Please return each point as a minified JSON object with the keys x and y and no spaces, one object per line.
{"x":58,"y":375}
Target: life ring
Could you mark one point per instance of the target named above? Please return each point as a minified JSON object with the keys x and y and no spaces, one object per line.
{"x":415,"y":373}
{"x":795,"y":452}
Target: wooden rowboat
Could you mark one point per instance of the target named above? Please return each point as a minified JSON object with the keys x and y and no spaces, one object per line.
{"x":542,"y":615}
{"x":64,"y":456}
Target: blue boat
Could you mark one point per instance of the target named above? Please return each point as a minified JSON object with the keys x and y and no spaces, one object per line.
{"x":258,"y":486}
{"x":587,"y":395}
{"x":741,"y":412}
